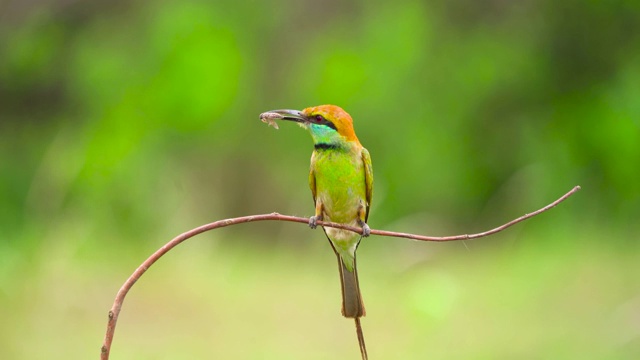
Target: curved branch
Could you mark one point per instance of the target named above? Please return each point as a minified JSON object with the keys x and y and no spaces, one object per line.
{"x":122,"y":293}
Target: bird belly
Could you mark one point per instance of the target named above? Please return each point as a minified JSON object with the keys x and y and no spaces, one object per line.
{"x":345,"y":241}
{"x":341,"y":188}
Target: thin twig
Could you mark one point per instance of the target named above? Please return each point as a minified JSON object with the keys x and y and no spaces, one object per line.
{"x":363,"y":347}
{"x":122,"y":293}
{"x":478,"y":235}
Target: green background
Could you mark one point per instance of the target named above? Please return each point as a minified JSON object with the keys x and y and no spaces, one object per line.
{"x":123,"y":124}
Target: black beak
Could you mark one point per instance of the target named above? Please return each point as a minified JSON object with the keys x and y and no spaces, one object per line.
{"x":291,"y":115}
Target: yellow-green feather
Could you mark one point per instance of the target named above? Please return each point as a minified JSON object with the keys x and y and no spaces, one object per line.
{"x":341,"y":180}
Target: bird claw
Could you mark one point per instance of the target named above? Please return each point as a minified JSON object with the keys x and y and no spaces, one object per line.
{"x":366,"y":230}
{"x":313,"y":221}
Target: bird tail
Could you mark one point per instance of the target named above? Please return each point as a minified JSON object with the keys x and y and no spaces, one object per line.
{"x":352,"y":305}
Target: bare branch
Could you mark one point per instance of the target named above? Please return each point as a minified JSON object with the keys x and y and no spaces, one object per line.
{"x":478,"y":235}
{"x":122,"y":293}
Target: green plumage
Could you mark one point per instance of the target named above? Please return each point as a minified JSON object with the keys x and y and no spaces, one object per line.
{"x":339,"y":184}
{"x":341,"y":181}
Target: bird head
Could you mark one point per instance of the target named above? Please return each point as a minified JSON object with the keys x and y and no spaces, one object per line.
{"x":328,"y":124}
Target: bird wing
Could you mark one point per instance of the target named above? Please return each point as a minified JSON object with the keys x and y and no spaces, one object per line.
{"x":312,"y":180}
{"x":368,"y":179}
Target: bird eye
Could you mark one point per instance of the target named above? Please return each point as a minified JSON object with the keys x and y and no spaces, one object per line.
{"x":319,"y":118}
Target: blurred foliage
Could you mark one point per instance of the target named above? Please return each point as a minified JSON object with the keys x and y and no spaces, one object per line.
{"x":125,"y":123}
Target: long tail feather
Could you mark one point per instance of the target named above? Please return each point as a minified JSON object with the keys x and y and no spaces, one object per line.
{"x":352,"y":305}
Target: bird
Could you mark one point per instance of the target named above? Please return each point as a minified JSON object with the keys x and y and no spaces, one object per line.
{"x":341,"y":182}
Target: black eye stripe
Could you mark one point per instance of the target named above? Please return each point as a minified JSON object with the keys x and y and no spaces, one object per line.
{"x":320,"y":120}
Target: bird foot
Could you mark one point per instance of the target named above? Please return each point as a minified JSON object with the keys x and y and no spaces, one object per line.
{"x":313,"y":221}
{"x":366,"y":230}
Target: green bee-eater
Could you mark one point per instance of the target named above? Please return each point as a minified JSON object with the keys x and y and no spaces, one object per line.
{"x":341,"y":181}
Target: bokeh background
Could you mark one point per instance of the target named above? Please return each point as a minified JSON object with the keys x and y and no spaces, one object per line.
{"x":123,"y":124}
